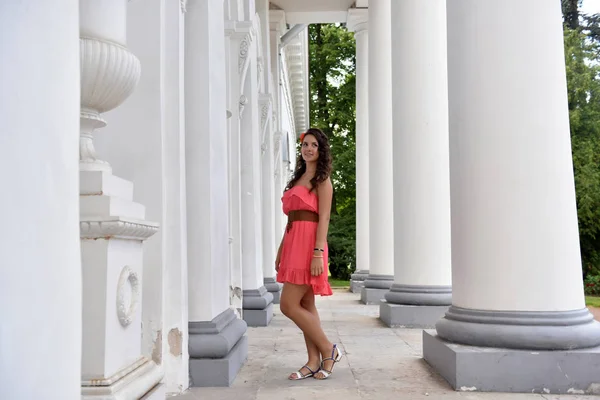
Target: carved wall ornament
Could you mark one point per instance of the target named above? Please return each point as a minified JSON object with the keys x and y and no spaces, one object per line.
{"x":126,"y":312}
{"x":243,"y":102}
{"x":243,"y":54}
{"x":116,"y":228}
{"x":183,"y":4}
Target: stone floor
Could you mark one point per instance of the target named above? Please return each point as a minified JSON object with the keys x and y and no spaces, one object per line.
{"x":380,"y":363}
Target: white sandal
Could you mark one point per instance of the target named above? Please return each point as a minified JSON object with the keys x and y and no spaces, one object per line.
{"x":300,"y":375}
{"x":337,"y":358}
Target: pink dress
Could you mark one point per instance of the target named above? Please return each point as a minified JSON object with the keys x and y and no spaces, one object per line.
{"x":299,"y":243}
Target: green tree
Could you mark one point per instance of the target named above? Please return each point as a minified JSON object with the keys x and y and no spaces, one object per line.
{"x":583,"y":77}
{"x":332,"y":109}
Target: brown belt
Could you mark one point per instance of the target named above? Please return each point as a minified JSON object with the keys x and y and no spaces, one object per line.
{"x":301,"y":215}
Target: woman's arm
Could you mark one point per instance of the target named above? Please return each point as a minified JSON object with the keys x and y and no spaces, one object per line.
{"x":325,"y":195}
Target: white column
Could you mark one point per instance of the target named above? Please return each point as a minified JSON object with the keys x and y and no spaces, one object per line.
{"x":207,"y":201}
{"x":358,"y":22}
{"x":236,"y":45}
{"x":257,"y":302}
{"x":381,"y":221}
{"x":268,"y":204}
{"x":422,"y":258}
{"x":517,"y":280}
{"x":40,"y":277}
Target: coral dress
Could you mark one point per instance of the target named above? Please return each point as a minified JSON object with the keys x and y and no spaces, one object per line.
{"x":299,"y":243}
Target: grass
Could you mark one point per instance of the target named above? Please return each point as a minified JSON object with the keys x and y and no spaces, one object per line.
{"x":593,"y":301}
{"x":338,"y":282}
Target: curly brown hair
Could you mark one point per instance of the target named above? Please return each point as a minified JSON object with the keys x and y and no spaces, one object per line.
{"x":323,"y":162}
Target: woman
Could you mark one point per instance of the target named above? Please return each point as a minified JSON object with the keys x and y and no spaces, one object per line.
{"x":301,"y":261}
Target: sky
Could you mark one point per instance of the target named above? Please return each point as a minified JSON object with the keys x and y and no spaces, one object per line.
{"x":590,"y":7}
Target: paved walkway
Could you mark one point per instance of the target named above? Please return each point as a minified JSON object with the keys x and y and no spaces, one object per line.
{"x":380,"y":363}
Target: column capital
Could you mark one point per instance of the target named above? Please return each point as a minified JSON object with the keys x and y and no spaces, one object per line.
{"x":358,"y":19}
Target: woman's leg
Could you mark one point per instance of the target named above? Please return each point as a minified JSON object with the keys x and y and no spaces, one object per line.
{"x":310,"y":325}
{"x":308,"y":303}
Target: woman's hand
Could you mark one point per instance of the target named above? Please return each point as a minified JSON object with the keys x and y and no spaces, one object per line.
{"x":277,"y":260}
{"x":316,"y":265}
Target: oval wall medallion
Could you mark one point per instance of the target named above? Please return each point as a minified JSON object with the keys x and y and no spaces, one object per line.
{"x":126,"y":312}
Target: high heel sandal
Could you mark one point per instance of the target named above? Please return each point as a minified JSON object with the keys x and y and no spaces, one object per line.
{"x":300,"y":376}
{"x":326,"y":373}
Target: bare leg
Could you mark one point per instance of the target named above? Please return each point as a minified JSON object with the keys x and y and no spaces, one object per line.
{"x":309,"y":323}
{"x":314,"y":357}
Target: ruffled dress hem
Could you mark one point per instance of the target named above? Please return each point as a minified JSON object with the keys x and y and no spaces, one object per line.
{"x":302,"y":277}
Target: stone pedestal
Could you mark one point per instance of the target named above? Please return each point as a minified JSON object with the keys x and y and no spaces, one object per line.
{"x":375,"y":288}
{"x":258,"y":307}
{"x":410,"y":316}
{"x":357,"y":280}
{"x":471,"y":368}
{"x":112,"y":232}
{"x":274,"y":288}
{"x":218,"y":349}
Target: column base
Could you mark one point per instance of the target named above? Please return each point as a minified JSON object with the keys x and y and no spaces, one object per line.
{"x":410,"y":316}
{"x":527,"y":330}
{"x":220,"y":371}
{"x":131,"y":383}
{"x":356,"y":285}
{"x":484,"y":369}
{"x":371,"y":295}
{"x":257,"y":307}
{"x":274,"y":288}
{"x":357,"y":280}
{"x":218,"y":349}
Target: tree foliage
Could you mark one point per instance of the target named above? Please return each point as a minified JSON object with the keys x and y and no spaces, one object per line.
{"x":332,"y":109}
{"x":583,"y":77}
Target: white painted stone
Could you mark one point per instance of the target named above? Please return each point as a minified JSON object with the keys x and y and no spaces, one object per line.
{"x":381,"y":221}
{"x":40,"y":277}
{"x":250,"y":141}
{"x":152,"y":119}
{"x":206,"y":160}
{"x":358,"y":22}
{"x":515,"y":243}
{"x":236,"y":44}
{"x":105,"y":20}
{"x":419,"y":84}
{"x":112,"y":226}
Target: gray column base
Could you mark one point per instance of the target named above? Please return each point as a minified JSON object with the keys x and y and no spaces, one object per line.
{"x":360,"y":275}
{"x":527,"y":330}
{"x":410,"y":316}
{"x":257,"y":318}
{"x":274,"y":288}
{"x":217,"y":349}
{"x":220,"y":371}
{"x":482,"y":369}
{"x":372,"y":296}
{"x":257,"y":307}
{"x":356,"y":285}
{"x":420,"y":295}
{"x":375,"y":281}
